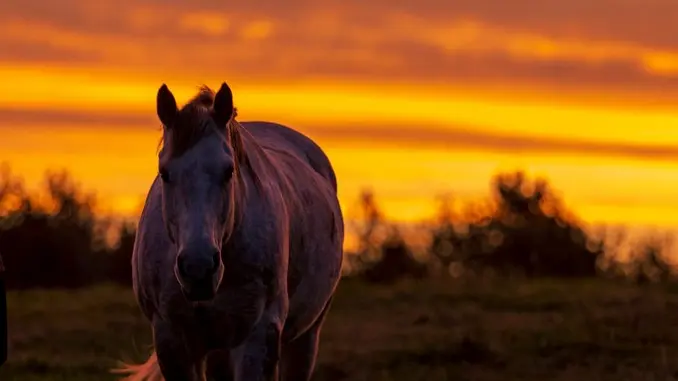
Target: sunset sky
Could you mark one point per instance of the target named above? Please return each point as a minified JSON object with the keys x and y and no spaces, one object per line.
{"x":409,"y":98}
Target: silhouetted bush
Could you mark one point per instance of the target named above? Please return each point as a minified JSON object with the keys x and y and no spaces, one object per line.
{"x":55,"y":241}
{"x":54,"y":238}
{"x":383,"y":256}
{"x":458,"y":237}
{"x":119,"y":257}
{"x":647,"y":260}
{"x":527,"y":232}
{"x":396,"y":262}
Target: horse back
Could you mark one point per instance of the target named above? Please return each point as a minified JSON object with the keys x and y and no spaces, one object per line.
{"x":274,"y":135}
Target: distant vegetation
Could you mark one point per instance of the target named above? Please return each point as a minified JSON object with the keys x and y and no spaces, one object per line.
{"x":54,"y":238}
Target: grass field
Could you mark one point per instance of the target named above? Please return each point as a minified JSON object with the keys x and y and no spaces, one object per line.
{"x":506,"y":330}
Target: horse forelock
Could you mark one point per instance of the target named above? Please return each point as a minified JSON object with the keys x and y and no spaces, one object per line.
{"x":193,"y":123}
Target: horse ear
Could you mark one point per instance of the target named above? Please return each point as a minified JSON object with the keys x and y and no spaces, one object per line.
{"x":166,"y":106}
{"x":223,"y":105}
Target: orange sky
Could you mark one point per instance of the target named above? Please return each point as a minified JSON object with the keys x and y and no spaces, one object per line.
{"x":409,"y":98}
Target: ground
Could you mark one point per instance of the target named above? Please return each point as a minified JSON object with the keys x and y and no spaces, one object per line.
{"x":434,"y":330}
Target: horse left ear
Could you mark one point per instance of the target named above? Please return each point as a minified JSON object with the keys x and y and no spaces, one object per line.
{"x":223,"y":105}
{"x":166,"y":106}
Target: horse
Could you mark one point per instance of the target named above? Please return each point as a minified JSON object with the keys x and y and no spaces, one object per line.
{"x":239,"y":246}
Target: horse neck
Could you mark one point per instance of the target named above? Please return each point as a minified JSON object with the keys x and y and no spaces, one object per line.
{"x":247,"y":184}
{"x":254,"y":196}
{"x":251,"y":156}
{"x":247,"y":206}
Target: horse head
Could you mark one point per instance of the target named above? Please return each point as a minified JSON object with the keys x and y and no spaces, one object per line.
{"x":198,"y":168}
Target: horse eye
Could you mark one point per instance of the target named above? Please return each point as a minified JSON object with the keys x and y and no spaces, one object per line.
{"x":164,"y":175}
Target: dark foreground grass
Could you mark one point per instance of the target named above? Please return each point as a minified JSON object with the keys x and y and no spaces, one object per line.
{"x":506,"y":330}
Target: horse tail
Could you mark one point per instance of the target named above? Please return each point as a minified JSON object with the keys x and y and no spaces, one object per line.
{"x":148,"y":371}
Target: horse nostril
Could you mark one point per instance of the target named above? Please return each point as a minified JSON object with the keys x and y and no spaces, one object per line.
{"x":216,"y":260}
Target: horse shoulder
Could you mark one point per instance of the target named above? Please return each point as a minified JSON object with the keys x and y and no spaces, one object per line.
{"x":150,"y":251}
{"x":263,"y":240}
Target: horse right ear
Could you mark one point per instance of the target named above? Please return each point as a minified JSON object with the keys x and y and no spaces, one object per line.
{"x":166,"y":106}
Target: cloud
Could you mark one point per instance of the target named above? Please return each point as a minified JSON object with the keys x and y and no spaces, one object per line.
{"x":461,"y":138}
{"x":533,"y":41}
{"x":440,"y":137}
{"x":648,"y":23}
{"x":44,"y":53}
{"x":26,"y":119}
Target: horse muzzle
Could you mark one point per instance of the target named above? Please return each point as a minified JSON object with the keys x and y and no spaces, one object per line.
{"x":199,"y":275}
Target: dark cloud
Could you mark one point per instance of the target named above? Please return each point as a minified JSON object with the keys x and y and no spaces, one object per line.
{"x":394,"y":61}
{"x":647,"y":22}
{"x":44,"y":53}
{"x":402,"y":61}
{"x":472,"y":138}
{"x":442,"y":137}
{"x":13,"y":118}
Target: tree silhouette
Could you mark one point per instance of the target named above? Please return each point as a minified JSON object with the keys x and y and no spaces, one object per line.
{"x":383,"y":256}
{"x":53,"y":242}
{"x":529,"y":232}
{"x":57,"y":239}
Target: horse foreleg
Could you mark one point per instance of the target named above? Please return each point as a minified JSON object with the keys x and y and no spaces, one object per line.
{"x":258,"y":357}
{"x":177,"y":360}
{"x":219,"y":367}
{"x":299,"y":356}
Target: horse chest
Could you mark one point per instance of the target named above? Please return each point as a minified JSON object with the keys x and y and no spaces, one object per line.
{"x":221,"y":329}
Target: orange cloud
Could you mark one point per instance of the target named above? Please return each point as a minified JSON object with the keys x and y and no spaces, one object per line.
{"x":213,"y":24}
{"x":257,"y":30}
{"x":323,"y":103}
{"x":392,"y":135}
{"x":526,"y":41}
